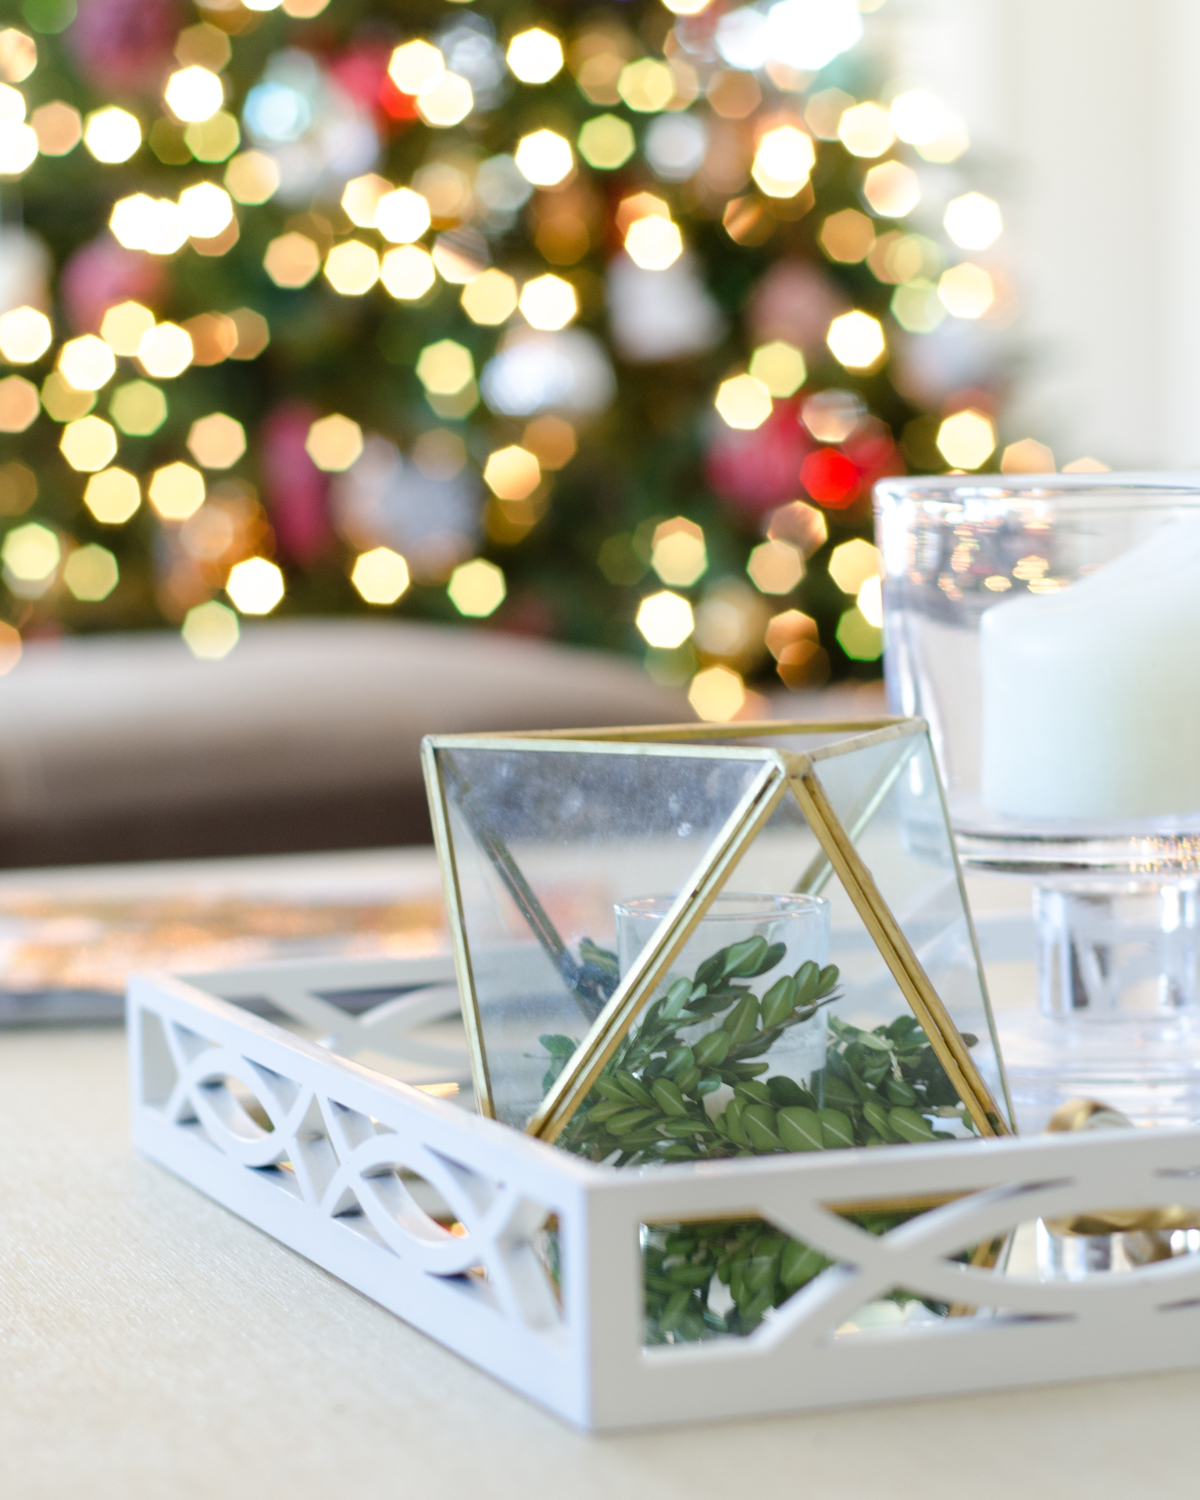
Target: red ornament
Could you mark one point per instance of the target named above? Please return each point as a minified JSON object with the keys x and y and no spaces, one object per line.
{"x":122,"y":45}
{"x":297,"y":491}
{"x":756,"y":471}
{"x":102,"y":273}
{"x":830,"y":478}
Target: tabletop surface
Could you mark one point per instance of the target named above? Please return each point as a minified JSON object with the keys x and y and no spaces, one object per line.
{"x":153,"y":1345}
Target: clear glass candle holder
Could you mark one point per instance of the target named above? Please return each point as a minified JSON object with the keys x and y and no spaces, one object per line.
{"x":1048,"y":628}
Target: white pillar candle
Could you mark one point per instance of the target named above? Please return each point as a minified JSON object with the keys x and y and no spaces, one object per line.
{"x":1091,"y":696}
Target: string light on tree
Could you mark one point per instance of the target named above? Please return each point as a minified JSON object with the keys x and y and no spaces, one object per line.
{"x":210,"y":631}
{"x":973,"y":221}
{"x":401,"y":216}
{"x":743,"y":402}
{"x":534,"y":56}
{"x":25,"y":335}
{"x":112,"y":496}
{"x":381,"y":576}
{"x":654,"y":243}
{"x":112,"y":135}
{"x":544,"y":158}
{"x":967,"y":439}
{"x":91,"y":573}
{"x":334,"y":443}
{"x":856,"y":340}
{"x":176,"y":491}
{"x":255,"y":585}
{"x":665,"y":620}
{"x":548,"y":303}
{"x":477,"y":588}
{"x":194,"y":94}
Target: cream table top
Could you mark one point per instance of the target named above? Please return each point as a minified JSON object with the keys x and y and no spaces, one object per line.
{"x":154,"y":1347}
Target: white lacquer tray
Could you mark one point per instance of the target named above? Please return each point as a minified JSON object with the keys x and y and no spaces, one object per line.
{"x":362,"y":1174}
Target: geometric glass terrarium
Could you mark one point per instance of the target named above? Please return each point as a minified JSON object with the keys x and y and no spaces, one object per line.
{"x":588,"y":875}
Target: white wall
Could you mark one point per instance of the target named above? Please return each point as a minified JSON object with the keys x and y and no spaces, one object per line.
{"x":1085,"y":123}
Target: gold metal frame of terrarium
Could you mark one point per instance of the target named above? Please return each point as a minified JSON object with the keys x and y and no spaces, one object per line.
{"x":782,"y":771}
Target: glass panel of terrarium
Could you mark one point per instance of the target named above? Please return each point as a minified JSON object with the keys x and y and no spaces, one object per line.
{"x":888,"y":799}
{"x":548,"y":839}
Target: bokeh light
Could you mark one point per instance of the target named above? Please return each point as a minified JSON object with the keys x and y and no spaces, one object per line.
{"x":743,"y":402}
{"x":775,"y":567}
{"x":125,"y":326}
{"x":512,"y":473}
{"x":780,"y":367}
{"x":252,"y":178}
{"x":717,"y":694}
{"x":62,"y":402}
{"x":19,"y":404}
{"x":210,"y":631}
{"x":606,"y":142}
{"x":966,"y":291}
{"x":58,"y":127}
{"x":647,"y":85}
{"x":783,"y":161}
{"x":166,"y":351}
{"x":665,"y":620}
{"x":476,"y":588}
{"x":292,"y":259}
{"x":360,"y":198}
{"x":973,"y":221}
{"x":194,"y":94}
{"x":31,"y":553}
{"x":678,"y":553}
{"x":255,"y":586}
{"x":551,"y":440}
{"x":88,"y":444}
{"x":1027,"y":456}
{"x":176,"y":491}
{"x":144,"y":223}
{"x":216,"y":441}
{"x":865,"y":130}
{"x":352,"y":268}
{"x":544,"y":158}
{"x":870,"y":601}
{"x":892,"y":189}
{"x":917,"y":117}
{"x":401,"y":216}
{"x":858,"y":638}
{"x":25,"y":335}
{"x":112,"y":135}
{"x":548,"y":303}
{"x":18,"y":147}
{"x":91,"y":573}
{"x":18,"y":55}
{"x":407,"y":272}
{"x":967,"y":439}
{"x":856,"y":340}
{"x":334,"y":443}
{"x":138,"y":408}
{"x":534,"y":56}
{"x":491,"y":298}
{"x":851,"y":564}
{"x":214,"y":139}
{"x":112,"y":496}
{"x":653,"y":243}
{"x":447,"y":102}
{"x":87,"y":363}
{"x":206,"y":209}
{"x":415,"y":66}
{"x":380,"y":575}
{"x":445,"y":368}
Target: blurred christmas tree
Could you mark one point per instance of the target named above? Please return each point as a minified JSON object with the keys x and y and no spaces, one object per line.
{"x":595,"y":322}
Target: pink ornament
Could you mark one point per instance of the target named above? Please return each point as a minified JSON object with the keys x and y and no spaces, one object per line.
{"x":122,"y":45}
{"x":297,"y":491}
{"x":797,"y":302}
{"x":102,"y":273}
{"x":756,"y":471}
